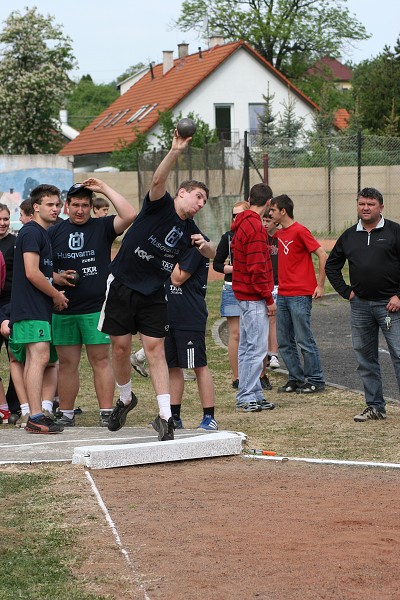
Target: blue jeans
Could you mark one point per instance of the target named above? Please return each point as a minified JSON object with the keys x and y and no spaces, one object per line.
{"x":293,"y":328}
{"x":253,"y":347}
{"x":367,"y":317}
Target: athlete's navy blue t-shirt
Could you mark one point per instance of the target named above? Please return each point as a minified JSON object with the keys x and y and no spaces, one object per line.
{"x":187,"y":309}
{"x":27,"y":302}
{"x":87,"y":250}
{"x":152,"y":246}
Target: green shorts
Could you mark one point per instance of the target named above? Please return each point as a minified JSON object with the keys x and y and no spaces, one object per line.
{"x":30,"y":332}
{"x":72,"y":330}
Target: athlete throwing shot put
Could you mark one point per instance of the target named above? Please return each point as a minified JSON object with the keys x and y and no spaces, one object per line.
{"x":135,"y":298}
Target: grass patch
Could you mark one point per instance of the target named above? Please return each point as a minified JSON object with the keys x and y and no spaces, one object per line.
{"x":37,"y":549}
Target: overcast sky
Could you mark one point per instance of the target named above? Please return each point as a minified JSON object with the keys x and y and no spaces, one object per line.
{"x":108,"y":37}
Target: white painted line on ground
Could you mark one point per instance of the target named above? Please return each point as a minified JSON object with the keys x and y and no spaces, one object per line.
{"x":115,"y":533}
{"x":33,"y":462}
{"x":93,"y":440}
{"x":326,"y":461}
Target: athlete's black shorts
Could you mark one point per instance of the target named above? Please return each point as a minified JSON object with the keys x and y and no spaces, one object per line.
{"x":127,"y":311}
{"x":185,"y":349}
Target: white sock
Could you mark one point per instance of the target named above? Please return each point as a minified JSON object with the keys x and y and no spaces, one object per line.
{"x":4,"y":406}
{"x":47,"y":405}
{"x":125,"y":392}
{"x":25,"y":409}
{"x":164,"y":406}
{"x":140,"y":355}
{"x":68,"y":413}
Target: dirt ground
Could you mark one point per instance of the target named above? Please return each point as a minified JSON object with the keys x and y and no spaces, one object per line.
{"x":235,"y":528}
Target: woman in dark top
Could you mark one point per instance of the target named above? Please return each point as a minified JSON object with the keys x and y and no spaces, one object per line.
{"x":223,"y":262}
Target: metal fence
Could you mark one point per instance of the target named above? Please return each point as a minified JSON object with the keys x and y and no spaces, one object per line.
{"x":321,"y":174}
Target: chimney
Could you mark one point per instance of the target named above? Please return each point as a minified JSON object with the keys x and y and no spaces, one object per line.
{"x":64,"y":117}
{"x":216,"y":40}
{"x":183,"y":50}
{"x":168,"y":61}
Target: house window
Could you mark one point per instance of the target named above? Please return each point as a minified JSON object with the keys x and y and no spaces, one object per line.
{"x":255,"y":111}
{"x":223,"y":122}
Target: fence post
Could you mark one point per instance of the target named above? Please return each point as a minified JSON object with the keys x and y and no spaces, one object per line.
{"x":359,"y":147}
{"x":329,"y":190}
{"x":206,"y":164}
{"x":266,"y":173}
{"x":246,"y":168}
{"x":223,"y":174}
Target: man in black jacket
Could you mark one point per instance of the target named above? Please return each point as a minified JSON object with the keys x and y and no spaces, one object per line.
{"x":372,"y":248}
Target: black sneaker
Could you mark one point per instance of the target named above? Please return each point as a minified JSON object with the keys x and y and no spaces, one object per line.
{"x":165,"y":429}
{"x":289,"y":387}
{"x":309,"y":388}
{"x":118,"y":416}
{"x":43,"y":425}
{"x":265,"y":383}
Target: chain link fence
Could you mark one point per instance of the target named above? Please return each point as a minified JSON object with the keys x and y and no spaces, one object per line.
{"x":321,"y":174}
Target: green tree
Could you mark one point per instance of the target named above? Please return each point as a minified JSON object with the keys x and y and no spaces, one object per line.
{"x":125,"y":155}
{"x":376,"y":84}
{"x":267,"y":119}
{"x":36,"y":58}
{"x":88,"y":100}
{"x":323,"y":119}
{"x":289,"y":126}
{"x":391,"y":123}
{"x":290,"y":34}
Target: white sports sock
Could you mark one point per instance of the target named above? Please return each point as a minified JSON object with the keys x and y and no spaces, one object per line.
{"x":47,"y":405}
{"x":125,"y":392}
{"x":25,"y":409}
{"x":68,"y":413}
{"x":164,"y":406}
{"x":140,"y":355}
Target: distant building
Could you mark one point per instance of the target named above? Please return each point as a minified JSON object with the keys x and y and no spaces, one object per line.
{"x":333,"y":70}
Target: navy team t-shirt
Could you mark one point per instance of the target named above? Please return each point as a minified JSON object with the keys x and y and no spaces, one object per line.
{"x":27,"y":302}
{"x":187,"y":309}
{"x":87,"y":250}
{"x":152,"y":246}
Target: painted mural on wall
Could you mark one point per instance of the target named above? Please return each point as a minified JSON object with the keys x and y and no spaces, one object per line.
{"x":16,"y":186}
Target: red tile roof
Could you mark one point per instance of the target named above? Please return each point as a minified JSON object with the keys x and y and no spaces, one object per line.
{"x":160,"y":93}
{"x":341,"y":119}
{"x":339,"y":72}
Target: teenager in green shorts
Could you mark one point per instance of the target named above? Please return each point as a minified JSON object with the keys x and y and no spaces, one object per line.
{"x":82,"y":245}
{"x":32,"y":299}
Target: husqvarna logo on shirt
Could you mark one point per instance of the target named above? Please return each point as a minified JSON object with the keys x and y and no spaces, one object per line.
{"x":76,"y":240}
{"x":142,"y":254}
{"x":173,"y":237}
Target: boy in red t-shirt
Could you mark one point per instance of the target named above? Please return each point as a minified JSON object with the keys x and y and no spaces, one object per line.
{"x":298,"y":286}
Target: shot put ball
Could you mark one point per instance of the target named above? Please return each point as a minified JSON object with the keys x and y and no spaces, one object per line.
{"x":74,"y":278}
{"x":186,"y":127}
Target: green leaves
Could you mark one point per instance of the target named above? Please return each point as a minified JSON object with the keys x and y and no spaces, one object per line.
{"x":33,"y":82}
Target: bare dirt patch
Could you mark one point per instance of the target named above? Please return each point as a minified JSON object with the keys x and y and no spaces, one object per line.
{"x":234,"y":528}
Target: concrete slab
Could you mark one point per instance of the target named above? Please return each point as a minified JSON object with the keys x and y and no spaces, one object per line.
{"x":219,"y":443}
{"x":18,"y":446}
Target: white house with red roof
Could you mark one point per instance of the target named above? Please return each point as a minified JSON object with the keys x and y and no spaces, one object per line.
{"x":224,"y":85}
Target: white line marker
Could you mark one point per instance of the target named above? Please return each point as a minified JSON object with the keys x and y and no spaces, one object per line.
{"x":115,"y":532}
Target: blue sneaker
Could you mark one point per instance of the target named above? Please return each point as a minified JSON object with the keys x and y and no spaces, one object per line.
{"x":208,"y":423}
{"x":178,"y":423}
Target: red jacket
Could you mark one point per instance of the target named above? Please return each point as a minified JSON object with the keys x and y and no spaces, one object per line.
{"x":252,"y":277}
